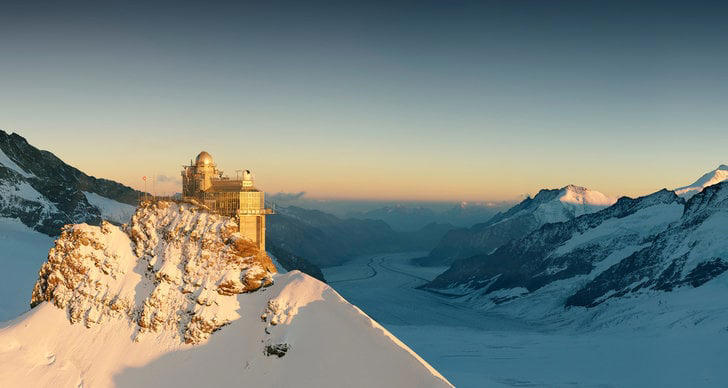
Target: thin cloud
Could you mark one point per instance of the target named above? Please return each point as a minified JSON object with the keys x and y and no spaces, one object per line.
{"x":164,"y":178}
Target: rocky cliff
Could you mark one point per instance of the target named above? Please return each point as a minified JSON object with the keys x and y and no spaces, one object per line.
{"x":186,"y":266}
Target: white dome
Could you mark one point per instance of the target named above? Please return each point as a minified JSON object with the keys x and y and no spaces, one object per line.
{"x":204,"y":159}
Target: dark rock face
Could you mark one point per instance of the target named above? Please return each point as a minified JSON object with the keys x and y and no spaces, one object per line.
{"x":533,"y":261}
{"x":60,"y":187}
{"x":291,"y":262}
{"x":279,"y":350}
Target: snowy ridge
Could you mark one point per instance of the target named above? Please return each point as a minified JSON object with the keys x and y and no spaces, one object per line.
{"x":179,"y":292}
{"x":689,"y":253}
{"x":557,"y":205}
{"x":111,"y":210}
{"x":571,"y":201}
{"x":716,"y":176}
{"x":548,"y":206}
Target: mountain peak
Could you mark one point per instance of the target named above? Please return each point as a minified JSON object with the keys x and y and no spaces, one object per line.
{"x":718,"y":175}
{"x":574,"y":188}
{"x":579,"y":195}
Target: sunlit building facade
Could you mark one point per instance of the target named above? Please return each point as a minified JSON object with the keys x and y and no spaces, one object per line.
{"x":204,"y":183}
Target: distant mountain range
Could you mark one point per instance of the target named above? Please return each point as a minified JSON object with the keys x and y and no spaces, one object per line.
{"x":549,"y":205}
{"x":656,"y":243}
{"x":328,"y":240}
{"x":410,"y":218}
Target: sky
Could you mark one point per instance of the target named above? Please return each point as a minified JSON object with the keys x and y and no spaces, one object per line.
{"x":421,"y":100}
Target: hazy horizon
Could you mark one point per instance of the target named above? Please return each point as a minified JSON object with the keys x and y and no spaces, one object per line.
{"x":426,"y":101}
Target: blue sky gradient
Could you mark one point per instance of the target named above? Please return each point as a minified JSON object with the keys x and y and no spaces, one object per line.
{"x":427,"y":100}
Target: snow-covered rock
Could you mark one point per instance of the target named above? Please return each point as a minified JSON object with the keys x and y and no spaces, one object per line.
{"x":548,"y":206}
{"x":111,"y":210}
{"x":690,"y":253}
{"x":178,"y":298}
{"x":176,"y":268}
{"x":716,"y":176}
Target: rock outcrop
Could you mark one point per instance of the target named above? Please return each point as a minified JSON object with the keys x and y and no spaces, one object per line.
{"x":176,"y":268}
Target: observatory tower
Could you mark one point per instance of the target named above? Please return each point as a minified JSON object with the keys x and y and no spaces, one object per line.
{"x":204,"y":183}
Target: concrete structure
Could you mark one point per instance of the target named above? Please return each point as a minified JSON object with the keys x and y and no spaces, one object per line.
{"x":204,"y":183}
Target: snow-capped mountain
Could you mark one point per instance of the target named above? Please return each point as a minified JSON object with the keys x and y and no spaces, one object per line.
{"x":549,"y":205}
{"x":178,"y":298}
{"x":716,"y":176}
{"x":631,"y":251}
{"x":690,"y":253}
{"x":44,"y":193}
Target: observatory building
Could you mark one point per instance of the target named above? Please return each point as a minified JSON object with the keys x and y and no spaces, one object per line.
{"x":204,"y":183}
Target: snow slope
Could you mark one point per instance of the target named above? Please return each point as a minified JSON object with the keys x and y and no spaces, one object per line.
{"x":718,"y":175}
{"x":22,"y":251}
{"x":8,"y":163}
{"x":178,"y":299}
{"x":110,"y":210}
{"x":332,"y":343}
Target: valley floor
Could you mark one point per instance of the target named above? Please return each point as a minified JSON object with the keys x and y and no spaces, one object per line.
{"x":478,"y":348}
